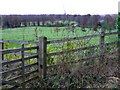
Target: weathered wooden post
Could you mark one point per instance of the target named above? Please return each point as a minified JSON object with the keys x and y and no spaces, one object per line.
{"x":102,"y":39}
{"x":42,"y":54}
{"x":2,"y":49}
{"x":23,"y":69}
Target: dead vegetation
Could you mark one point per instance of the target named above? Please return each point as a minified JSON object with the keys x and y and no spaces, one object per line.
{"x":85,"y":74}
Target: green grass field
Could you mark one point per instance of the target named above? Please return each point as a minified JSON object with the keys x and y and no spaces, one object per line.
{"x":32,"y":33}
{"x":29,"y":33}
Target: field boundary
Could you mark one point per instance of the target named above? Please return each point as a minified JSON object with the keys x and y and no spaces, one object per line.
{"x":41,"y":56}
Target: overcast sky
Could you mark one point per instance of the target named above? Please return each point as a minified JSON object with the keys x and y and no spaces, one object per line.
{"x":58,"y":6}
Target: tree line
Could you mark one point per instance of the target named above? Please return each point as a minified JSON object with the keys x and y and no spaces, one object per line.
{"x":53,"y":20}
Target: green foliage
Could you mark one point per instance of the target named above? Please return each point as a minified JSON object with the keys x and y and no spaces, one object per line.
{"x":50,"y":59}
{"x":6,"y":45}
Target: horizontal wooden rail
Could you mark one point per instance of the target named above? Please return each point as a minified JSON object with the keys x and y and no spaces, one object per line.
{"x":10,"y":51}
{"x":108,"y":44}
{"x":11,"y":71}
{"x":73,"y":50}
{"x":75,"y":61}
{"x":111,"y":33}
{"x":18,"y":41}
{"x":19,"y":68}
{"x":11,"y":62}
{"x":20,"y":76}
{"x":81,"y":59}
{"x":33,"y":78}
{"x":25,"y":53}
{"x":31,"y":57}
{"x":79,"y":49}
{"x":78,"y":38}
{"x":31,"y":65}
{"x":31,"y":48}
{"x":84,"y":59}
{"x":70,"y":39}
{"x":17,"y":50}
{"x":16,"y":85}
{"x":10,"y":83}
{"x":18,"y":60}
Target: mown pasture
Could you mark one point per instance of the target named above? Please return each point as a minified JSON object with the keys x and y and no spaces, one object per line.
{"x":52,"y":33}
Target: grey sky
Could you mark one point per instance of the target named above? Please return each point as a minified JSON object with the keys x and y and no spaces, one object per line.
{"x":58,"y":6}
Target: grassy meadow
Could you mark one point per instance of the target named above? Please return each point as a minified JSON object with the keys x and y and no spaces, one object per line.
{"x":52,"y":33}
{"x":29,"y":33}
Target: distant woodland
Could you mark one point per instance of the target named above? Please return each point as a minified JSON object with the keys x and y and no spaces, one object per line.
{"x":53,"y":20}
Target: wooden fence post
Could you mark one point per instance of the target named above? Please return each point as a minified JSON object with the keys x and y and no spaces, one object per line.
{"x":2,"y":49}
{"x":102,"y":49}
{"x":23,"y":69}
{"x":42,"y":54}
{"x":39,"y":60}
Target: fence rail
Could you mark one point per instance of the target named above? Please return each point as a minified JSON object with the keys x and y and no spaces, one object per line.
{"x":41,"y":56}
{"x":18,"y":41}
{"x":22,"y":67}
{"x":78,"y":38}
